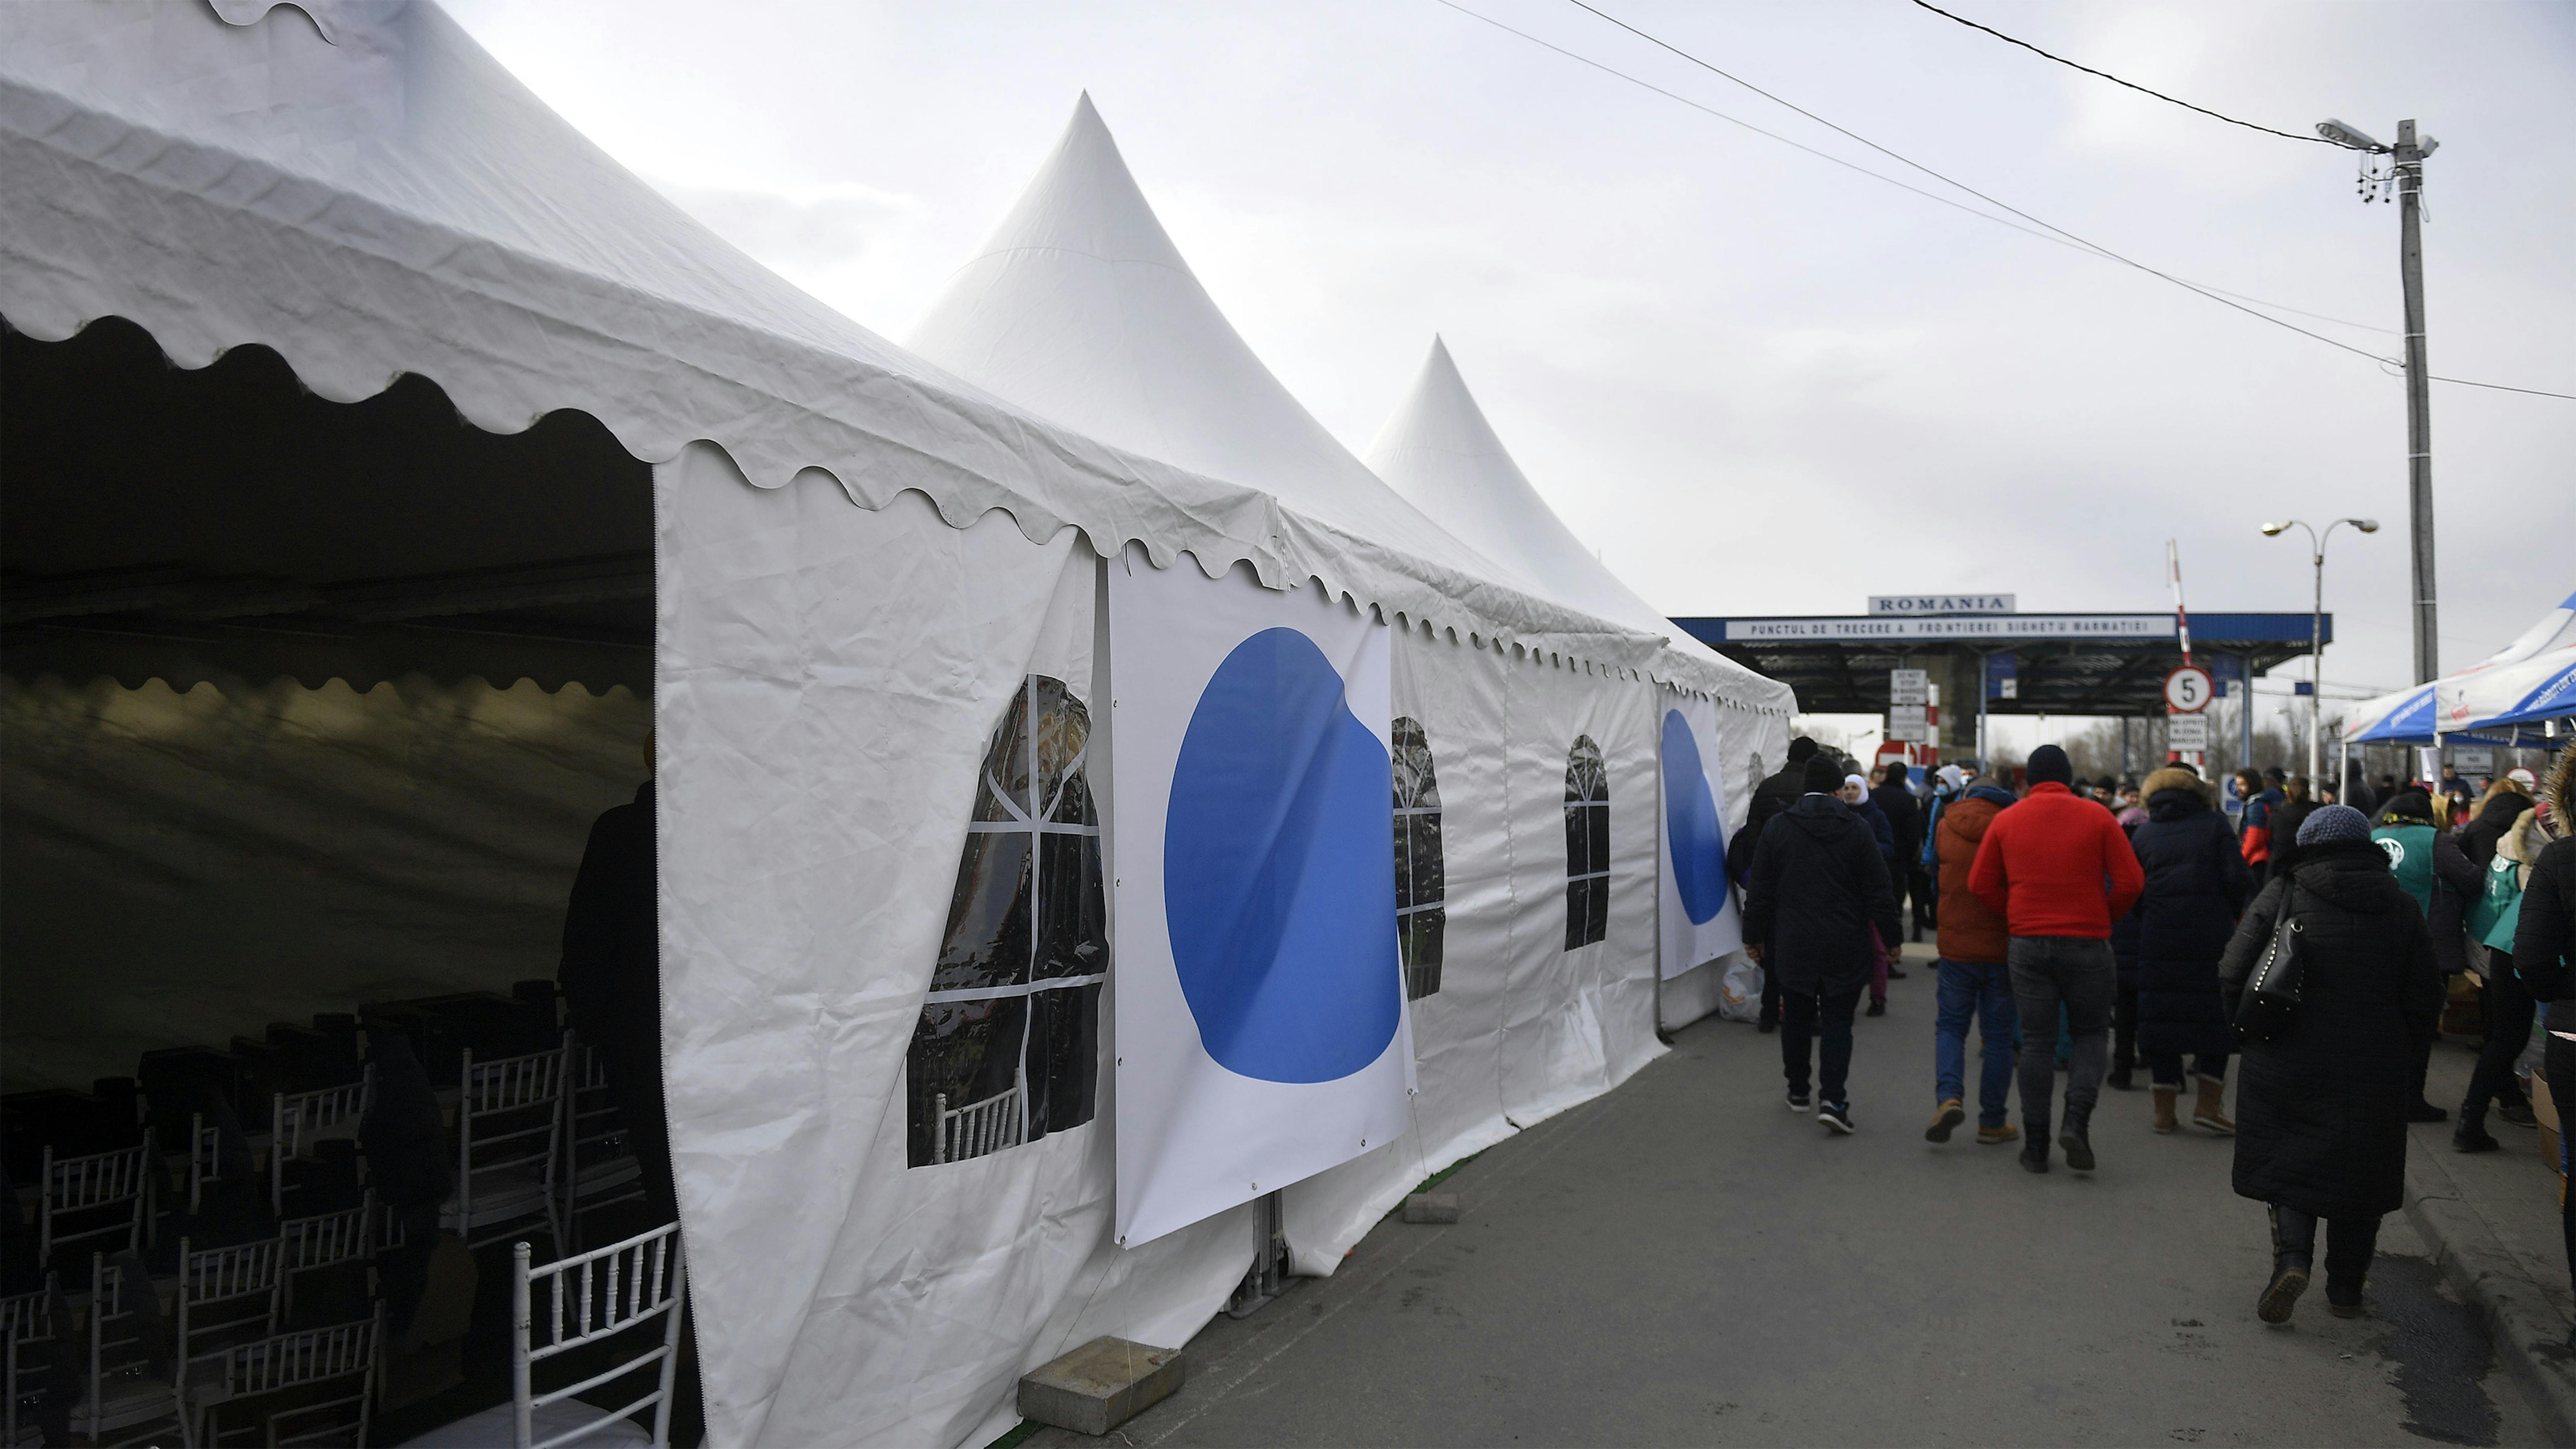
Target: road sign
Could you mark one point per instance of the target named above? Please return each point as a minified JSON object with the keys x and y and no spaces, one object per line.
{"x":2187,"y":732}
{"x":2188,"y":690}
{"x":1909,"y":686}
{"x":1909,"y":724}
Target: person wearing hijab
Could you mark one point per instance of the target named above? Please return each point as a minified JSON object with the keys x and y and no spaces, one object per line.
{"x":2321,"y":1107}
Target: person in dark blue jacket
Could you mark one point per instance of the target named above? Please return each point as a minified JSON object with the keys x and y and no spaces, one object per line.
{"x":2197,"y":884}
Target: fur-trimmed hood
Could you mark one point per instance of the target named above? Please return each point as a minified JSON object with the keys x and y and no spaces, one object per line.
{"x":2559,"y":789}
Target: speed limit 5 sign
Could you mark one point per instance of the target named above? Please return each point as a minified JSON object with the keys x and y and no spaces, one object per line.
{"x":2188,"y":690}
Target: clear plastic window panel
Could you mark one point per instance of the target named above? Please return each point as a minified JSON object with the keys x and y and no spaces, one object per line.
{"x":1007,"y":1049}
{"x":1587,"y":845}
{"x":1421,"y":877}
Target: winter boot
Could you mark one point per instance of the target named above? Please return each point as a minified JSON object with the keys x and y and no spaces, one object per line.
{"x":2213,"y":1093}
{"x":2289,"y":1279}
{"x":2165,"y":1107}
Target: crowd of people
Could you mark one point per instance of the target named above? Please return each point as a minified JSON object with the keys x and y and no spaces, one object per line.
{"x":2086,"y":928}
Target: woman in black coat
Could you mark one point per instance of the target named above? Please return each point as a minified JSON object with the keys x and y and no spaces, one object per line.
{"x":2197,"y":885}
{"x":1817,"y":890}
{"x":2321,"y":1109}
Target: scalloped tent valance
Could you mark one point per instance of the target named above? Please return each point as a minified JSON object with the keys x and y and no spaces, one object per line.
{"x":390,"y":201}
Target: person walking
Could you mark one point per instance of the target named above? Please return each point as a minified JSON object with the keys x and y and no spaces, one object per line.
{"x":2505,"y":1009}
{"x":1783,"y":789}
{"x":1855,"y":793}
{"x":2321,"y":1107}
{"x":1817,"y":889}
{"x":1975,"y":982}
{"x":2059,"y":871}
{"x":1739,"y":869}
{"x":2196,"y":886}
{"x":1894,"y":798}
{"x":2296,"y":803}
{"x":2124,"y":1007}
{"x":2544,"y":937}
{"x":2254,"y":827}
{"x":2429,"y":866}
{"x":1948,"y":783}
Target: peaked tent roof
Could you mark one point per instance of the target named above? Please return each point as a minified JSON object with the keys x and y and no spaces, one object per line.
{"x":1438,"y":450}
{"x":362,"y":188}
{"x":2468,"y":699}
{"x":1079,"y":308}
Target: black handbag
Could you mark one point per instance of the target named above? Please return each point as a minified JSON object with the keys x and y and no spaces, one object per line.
{"x":2271,"y":995}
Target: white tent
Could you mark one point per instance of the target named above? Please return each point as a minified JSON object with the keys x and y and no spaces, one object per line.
{"x":1438,"y":450}
{"x":865,"y":577}
{"x":1080,"y":308}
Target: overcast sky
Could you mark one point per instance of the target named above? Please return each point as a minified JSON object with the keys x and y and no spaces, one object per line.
{"x":1755,"y":381}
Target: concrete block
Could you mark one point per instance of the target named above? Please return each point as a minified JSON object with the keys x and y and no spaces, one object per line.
{"x":1100,"y":1385}
{"x":1431,"y":1207}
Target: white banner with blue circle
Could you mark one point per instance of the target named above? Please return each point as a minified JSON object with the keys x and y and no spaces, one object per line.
{"x":1261,"y":1028}
{"x":1696,"y":908}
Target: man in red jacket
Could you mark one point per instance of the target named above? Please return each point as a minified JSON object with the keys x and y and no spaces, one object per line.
{"x":2058,"y":869}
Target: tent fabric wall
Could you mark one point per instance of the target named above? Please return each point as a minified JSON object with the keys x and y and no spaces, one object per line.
{"x":1456,"y":692}
{"x":1579,"y":1022}
{"x":178,"y":867}
{"x":843,"y":1297}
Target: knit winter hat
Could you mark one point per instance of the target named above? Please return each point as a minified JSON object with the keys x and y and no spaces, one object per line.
{"x":2047,"y":763}
{"x":1801,"y":749}
{"x":1824,"y":776}
{"x":2328,"y":824}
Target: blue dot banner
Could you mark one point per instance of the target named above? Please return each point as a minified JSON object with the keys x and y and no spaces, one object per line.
{"x":1260,"y":1027}
{"x":1695,"y":904}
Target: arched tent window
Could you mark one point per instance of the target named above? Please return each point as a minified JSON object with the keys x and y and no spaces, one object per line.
{"x":1008,"y":1046}
{"x":1587,"y":844}
{"x":1421,"y":878}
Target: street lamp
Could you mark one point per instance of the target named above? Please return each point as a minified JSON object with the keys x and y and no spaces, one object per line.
{"x":2317,"y":647}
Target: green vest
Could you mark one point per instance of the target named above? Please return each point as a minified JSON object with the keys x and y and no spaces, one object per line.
{"x":2410,"y":856}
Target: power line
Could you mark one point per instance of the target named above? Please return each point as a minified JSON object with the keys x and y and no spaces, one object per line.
{"x":2501,"y":387}
{"x":2212,"y":293}
{"x":2115,"y":80}
{"x":1954,"y":204}
{"x":2092,"y":246}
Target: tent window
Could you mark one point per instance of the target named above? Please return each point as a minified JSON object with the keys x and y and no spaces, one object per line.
{"x":1421,"y":877}
{"x":1587,"y":845}
{"x":1008,"y":1046}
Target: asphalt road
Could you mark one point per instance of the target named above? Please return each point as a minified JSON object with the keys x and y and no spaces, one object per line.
{"x":1684,"y":1261}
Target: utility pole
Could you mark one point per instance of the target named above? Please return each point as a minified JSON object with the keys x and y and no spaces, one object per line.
{"x":2407,"y":176}
{"x":2419,"y":399}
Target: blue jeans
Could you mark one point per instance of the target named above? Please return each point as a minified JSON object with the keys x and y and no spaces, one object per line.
{"x":1973,"y":989}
